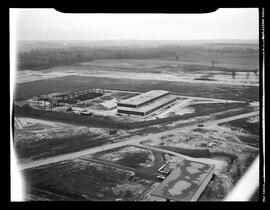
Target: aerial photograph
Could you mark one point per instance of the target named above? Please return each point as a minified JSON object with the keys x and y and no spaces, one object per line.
{"x":135,"y":106}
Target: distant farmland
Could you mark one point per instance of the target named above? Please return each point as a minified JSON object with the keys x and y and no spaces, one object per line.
{"x":68,"y":83}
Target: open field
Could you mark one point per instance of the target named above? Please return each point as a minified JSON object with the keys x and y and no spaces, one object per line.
{"x":170,"y":73}
{"x":83,"y":180}
{"x":70,"y":83}
{"x":39,"y":138}
{"x":248,"y":130}
{"x":194,"y":66}
{"x":250,"y":125}
{"x":197,"y":59}
{"x":142,"y":161}
{"x":130,"y":156}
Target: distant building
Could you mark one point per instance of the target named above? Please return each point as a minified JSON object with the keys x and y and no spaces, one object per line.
{"x":186,"y":182}
{"x":145,"y":103}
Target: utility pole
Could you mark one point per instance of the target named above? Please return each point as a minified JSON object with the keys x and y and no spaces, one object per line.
{"x":213,"y":64}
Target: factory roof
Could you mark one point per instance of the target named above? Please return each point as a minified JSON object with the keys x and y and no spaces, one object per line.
{"x":151,"y":105}
{"x":185,"y":182}
{"x":144,"y":97}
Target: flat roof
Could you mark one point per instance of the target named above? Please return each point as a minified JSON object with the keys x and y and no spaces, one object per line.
{"x":151,"y":105}
{"x":110,"y":103}
{"x":184,"y":181}
{"x":139,"y":99}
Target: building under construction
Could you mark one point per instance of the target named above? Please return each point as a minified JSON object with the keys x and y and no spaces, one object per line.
{"x":73,"y":97}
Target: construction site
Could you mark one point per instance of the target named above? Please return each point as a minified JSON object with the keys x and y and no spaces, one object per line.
{"x":100,"y":102}
{"x":120,"y":106}
{"x":195,"y":156}
{"x":169,"y":127}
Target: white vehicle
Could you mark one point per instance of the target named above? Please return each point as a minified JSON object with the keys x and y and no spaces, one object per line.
{"x":161,"y":177}
{"x":165,"y":171}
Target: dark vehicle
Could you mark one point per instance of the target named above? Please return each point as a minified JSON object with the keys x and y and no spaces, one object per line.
{"x":213,"y":177}
{"x":200,"y":125}
{"x":85,"y":112}
{"x":112,"y":132}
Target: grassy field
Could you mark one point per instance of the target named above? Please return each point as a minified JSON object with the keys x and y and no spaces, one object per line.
{"x":134,"y":157}
{"x":51,"y":147}
{"x":130,"y":156}
{"x":250,"y":127}
{"x":229,"y":60}
{"x":82,"y":180}
{"x":195,"y":153}
{"x":70,"y":83}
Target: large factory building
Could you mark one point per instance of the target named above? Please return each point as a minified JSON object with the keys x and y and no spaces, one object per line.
{"x":146,"y":103}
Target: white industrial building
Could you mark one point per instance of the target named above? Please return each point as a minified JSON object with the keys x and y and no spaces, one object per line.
{"x":145,"y":103}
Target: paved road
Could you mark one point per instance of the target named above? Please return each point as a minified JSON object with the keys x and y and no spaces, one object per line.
{"x":132,"y":140}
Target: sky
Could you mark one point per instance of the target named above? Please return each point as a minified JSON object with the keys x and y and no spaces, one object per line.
{"x":49,"y":24}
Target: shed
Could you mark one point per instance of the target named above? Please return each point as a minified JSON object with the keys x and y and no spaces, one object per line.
{"x":108,"y":105}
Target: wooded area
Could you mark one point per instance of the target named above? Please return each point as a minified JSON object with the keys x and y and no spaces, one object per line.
{"x":42,"y":58}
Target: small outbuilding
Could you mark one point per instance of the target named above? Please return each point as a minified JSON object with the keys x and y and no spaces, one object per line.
{"x":108,"y":105}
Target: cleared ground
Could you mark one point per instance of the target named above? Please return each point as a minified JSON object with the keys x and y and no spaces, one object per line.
{"x":36,"y":139}
{"x":247,"y":130}
{"x":70,"y":83}
{"x":130,"y":156}
{"x":82,"y":179}
{"x":191,"y":70}
{"x":217,"y":142}
{"x":228,"y":168}
{"x":125,"y":171}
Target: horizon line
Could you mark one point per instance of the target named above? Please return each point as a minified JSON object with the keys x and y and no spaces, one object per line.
{"x":244,"y":39}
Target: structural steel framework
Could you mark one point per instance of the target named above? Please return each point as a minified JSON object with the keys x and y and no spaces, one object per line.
{"x":70,"y":97}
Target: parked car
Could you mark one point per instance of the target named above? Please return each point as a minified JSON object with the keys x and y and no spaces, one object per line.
{"x":213,"y":177}
{"x":165,"y":171}
{"x":161,"y":177}
{"x":200,"y":125}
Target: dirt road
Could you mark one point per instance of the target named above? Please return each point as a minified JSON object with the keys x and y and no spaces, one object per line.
{"x":133,"y":140}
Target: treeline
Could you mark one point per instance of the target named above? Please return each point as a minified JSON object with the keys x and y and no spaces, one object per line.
{"x":46,"y":58}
